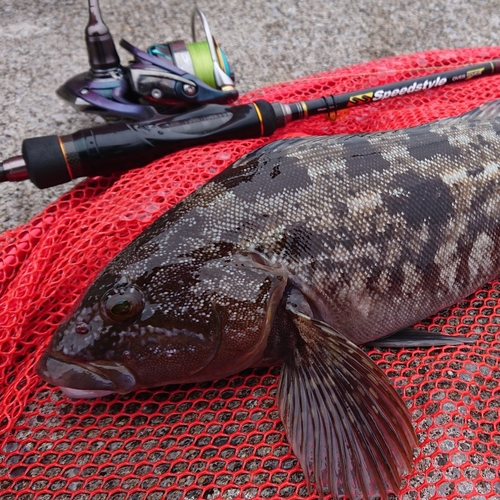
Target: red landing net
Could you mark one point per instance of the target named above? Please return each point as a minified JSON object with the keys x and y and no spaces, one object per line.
{"x":223,"y":439}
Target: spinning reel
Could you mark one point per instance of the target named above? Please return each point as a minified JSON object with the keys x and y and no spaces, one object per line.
{"x":164,"y":80}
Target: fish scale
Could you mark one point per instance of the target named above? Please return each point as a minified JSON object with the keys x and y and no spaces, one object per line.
{"x":406,"y":212}
{"x":298,"y":253}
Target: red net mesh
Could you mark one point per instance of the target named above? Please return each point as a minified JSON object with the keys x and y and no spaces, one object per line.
{"x":223,"y":439}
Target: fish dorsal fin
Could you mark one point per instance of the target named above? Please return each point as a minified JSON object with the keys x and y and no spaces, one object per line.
{"x":346,"y":423}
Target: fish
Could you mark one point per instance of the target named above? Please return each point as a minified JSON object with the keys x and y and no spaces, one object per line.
{"x":300,"y":253}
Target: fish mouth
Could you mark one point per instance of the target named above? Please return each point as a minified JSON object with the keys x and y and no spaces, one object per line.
{"x":85,"y":380}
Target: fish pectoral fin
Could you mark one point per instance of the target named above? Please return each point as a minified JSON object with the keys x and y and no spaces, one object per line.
{"x":412,"y":337}
{"x":349,"y":428}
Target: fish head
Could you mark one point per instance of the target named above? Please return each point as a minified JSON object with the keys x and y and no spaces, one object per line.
{"x":171,"y":325}
{"x":118,"y":339}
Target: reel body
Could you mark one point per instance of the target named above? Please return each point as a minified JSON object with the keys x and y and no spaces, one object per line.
{"x":166,"y":79}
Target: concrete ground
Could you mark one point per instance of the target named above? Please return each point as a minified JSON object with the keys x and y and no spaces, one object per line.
{"x":42,"y":45}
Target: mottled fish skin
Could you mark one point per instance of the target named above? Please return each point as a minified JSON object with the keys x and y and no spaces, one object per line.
{"x":379,"y":230}
{"x":299,"y":252}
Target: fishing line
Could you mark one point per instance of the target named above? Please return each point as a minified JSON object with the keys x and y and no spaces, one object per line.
{"x":202,"y":62}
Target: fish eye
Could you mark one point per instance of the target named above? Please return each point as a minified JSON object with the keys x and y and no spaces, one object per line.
{"x":122,"y":304}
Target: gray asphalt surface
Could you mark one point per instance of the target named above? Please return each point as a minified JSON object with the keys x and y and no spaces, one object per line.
{"x":42,"y":45}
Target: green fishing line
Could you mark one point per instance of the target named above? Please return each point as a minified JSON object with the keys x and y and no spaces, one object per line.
{"x":202,"y":62}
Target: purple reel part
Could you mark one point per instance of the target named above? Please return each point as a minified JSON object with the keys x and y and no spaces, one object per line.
{"x":152,"y":86}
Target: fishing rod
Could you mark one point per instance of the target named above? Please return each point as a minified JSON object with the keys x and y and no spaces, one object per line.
{"x":51,"y":160}
{"x":180,"y":95}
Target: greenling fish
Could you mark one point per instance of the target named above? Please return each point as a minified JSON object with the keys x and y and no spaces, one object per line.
{"x":299,"y":253}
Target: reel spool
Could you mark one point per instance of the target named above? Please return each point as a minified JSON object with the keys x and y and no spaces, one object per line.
{"x":204,"y":59}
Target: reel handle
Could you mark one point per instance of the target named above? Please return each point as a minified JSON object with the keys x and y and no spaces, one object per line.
{"x":100,"y":46}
